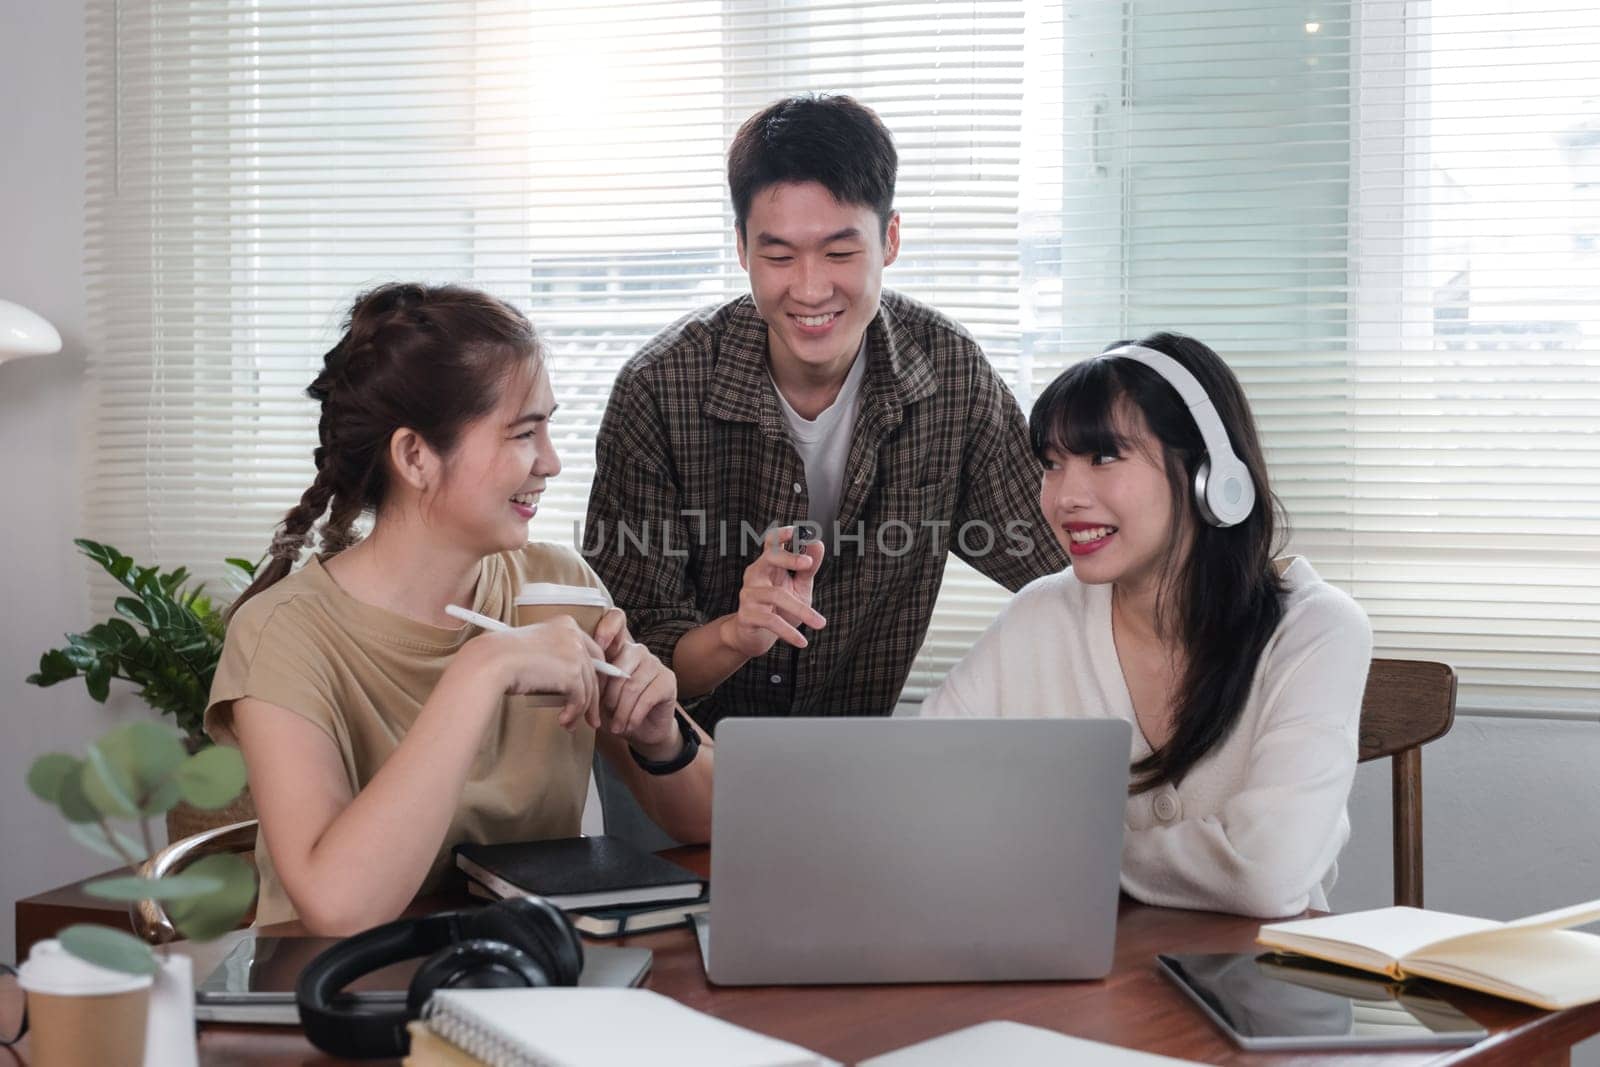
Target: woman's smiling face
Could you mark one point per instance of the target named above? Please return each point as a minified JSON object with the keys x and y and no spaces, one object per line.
{"x":1113,"y":511}
{"x":498,"y":469}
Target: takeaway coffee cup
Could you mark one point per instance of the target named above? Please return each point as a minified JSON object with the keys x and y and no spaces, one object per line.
{"x":82,"y":1015}
{"x":542,"y":601}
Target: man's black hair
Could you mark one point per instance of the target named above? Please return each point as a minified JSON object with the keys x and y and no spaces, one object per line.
{"x":815,"y":137}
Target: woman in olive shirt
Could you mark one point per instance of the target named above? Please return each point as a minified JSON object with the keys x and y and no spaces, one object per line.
{"x":378,"y":732}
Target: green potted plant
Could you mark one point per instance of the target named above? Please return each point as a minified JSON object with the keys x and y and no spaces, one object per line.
{"x":165,"y":638}
{"x":137,"y":772}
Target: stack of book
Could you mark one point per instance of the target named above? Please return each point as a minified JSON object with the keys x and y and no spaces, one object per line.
{"x":607,"y":887}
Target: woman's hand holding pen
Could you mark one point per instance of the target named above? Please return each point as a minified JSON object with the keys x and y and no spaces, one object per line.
{"x":554,"y":657}
{"x":640,"y":707}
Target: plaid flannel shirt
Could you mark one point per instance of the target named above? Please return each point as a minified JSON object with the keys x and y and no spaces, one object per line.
{"x":694,"y":462}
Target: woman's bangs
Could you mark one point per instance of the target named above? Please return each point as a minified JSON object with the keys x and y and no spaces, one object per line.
{"x":1077,"y":413}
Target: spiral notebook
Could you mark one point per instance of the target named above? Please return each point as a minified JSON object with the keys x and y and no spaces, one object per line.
{"x":1017,"y":1045}
{"x":598,"y":1028}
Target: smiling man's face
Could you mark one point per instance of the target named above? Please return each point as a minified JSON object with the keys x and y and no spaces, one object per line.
{"x":816,"y":272}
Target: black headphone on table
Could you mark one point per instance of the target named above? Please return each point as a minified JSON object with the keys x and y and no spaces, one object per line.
{"x":523,"y":941}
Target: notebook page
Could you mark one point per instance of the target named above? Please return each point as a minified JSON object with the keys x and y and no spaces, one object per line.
{"x":1560,"y":918}
{"x":1016,"y":1043}
{"x":599,"y":1028}
{"x":1392,"y":933}
{"x":1552,"y":969}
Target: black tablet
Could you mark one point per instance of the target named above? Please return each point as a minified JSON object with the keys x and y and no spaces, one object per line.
{"x":255,"y":982}
{"x":1272,"y":1001}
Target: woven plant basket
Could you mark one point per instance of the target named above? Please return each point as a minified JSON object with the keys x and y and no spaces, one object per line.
{"x":185,"y":820}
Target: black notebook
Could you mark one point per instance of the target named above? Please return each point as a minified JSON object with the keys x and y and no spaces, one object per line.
{"x":624,"y":920}
{"x":578,"y":872}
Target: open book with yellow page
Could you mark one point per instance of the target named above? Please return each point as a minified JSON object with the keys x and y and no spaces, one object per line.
{"x":1539,"y":960}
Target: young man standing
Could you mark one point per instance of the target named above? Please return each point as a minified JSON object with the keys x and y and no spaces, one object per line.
{"x":820,"y":402}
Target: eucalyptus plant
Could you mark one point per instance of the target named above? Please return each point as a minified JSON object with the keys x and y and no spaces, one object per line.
{"x":165,"y":638}
{"x":138,"y":772}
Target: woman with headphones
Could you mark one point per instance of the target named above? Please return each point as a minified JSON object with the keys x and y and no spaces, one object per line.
{"x":377,"y":730}
{"x":1241,"y":674}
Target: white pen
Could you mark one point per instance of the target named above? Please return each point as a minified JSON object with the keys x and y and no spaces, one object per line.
{"x":484,"y":622}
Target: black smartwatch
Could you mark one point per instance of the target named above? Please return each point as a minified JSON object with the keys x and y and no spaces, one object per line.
{"x":691,"y":745}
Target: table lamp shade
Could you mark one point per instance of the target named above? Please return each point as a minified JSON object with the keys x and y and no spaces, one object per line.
{"x":22,"y":333}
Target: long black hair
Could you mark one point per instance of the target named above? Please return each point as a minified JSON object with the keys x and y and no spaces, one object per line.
{"x":1222,"y":600}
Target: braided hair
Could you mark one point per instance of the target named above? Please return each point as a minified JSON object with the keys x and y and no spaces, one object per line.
{"x":426,"y":358}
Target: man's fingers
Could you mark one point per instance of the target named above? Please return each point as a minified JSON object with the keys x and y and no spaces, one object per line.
{"x":773,"y":610}
{"x":782,"y":559}
{"x":774,"y":623}
{"x":789,"y":608}
{"x":775,"y":538}
{"x":805,"y":577}
{"x":795,"y":609}
{"x":775,"y":555}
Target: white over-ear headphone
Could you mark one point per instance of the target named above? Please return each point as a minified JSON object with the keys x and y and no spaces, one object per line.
{"x":1223,"y":489}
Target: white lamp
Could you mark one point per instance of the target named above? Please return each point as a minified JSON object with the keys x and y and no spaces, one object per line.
{"x":22,"y":333}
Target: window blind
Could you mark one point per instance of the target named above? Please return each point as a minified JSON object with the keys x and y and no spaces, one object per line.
{"x":256,"y":165}
{"x":1384,"y":214}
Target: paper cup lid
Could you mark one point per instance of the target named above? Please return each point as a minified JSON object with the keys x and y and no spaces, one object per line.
{"x":552,"y":593}
{"x":51,"y":969}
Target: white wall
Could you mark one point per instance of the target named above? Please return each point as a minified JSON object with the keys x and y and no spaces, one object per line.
{"x":1511,"y":821}
{"x":1512,"y":808}
{"x":42,"y":587}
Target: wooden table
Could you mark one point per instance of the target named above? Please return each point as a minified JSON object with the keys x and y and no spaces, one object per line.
{"x":1134,"y":1007}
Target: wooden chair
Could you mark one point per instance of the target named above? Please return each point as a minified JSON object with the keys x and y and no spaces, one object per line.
{"x":1407,"y":704}
{"x":149,"y":918}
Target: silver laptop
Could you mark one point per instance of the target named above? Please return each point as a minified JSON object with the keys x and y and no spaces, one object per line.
{"x":915,"y":850}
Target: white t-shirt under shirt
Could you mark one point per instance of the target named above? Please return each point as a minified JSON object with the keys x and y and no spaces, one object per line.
{"x":1255,"y":827}
{"x":824,"y":444}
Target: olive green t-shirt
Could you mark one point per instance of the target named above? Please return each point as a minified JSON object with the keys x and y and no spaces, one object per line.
{"x":361,"y":674}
